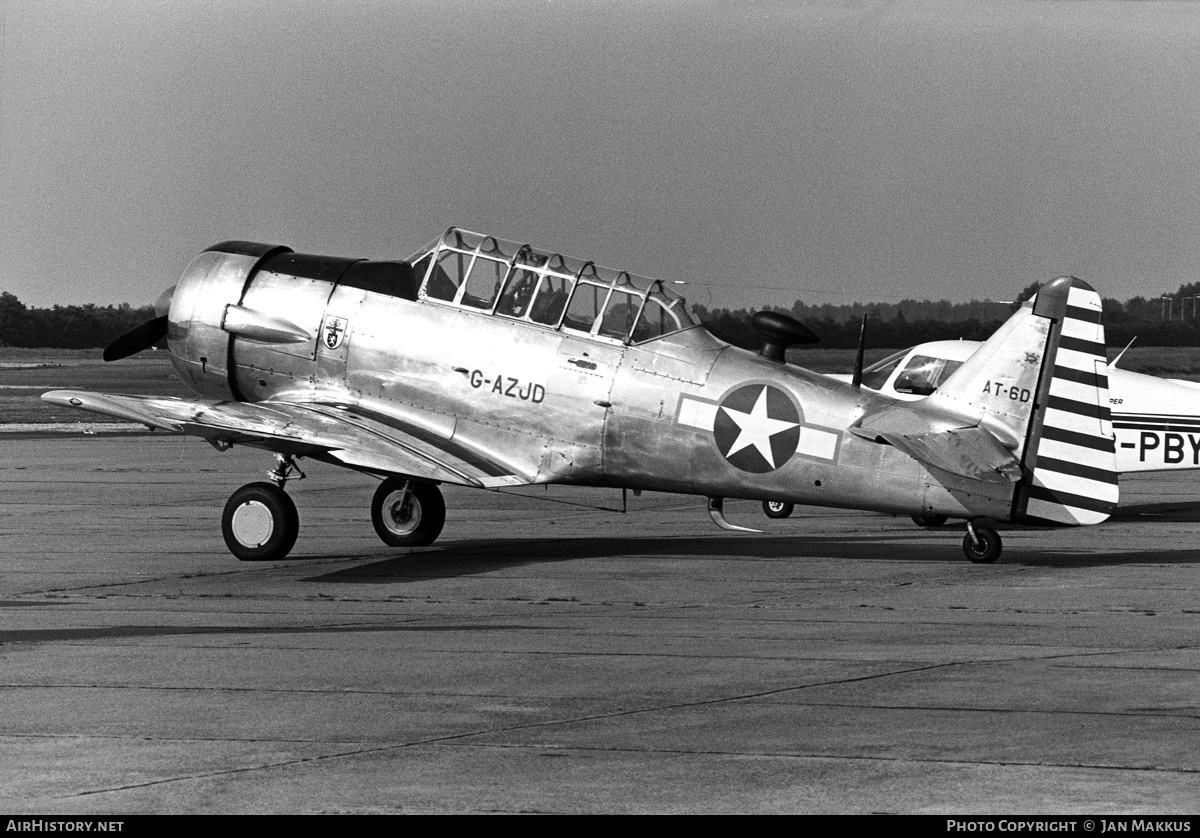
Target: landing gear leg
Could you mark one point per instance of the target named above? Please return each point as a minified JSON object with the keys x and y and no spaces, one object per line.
{"x":284,"y":466}
{"x":260,"y":522}
{"x":981,"y":544}
{"x":408,"y":513}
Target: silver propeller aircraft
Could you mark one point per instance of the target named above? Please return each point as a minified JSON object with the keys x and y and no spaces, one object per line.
{"x":488,"y":363}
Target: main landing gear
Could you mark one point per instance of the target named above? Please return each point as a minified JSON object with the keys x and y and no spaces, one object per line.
{"x":260,"y":522}
{"x":407,"y":513}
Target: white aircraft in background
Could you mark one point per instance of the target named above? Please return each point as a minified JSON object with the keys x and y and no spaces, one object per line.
{"x":1156,"y":420}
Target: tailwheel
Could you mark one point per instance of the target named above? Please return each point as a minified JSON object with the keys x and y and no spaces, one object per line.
{"x":778,"y":508}
{"x":981,"y":544}
{"x":408,"y":513}
{"x":260,"y":523}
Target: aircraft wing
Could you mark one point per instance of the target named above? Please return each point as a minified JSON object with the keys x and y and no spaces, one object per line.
{"x":413,"y":444}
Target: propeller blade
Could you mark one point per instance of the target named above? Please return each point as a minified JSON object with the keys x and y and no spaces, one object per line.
{"x":137,"y":339}
{"x":163,"y":304}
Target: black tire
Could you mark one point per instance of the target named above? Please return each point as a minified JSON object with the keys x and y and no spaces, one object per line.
{"x":929,"y":520}
{"x":989,"y":549}
{"x":778,"y":508}
{"x":412,"y":521}
{"x":260,"y":523}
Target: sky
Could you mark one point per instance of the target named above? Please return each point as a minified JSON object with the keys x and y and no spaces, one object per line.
{"x":761,"y":152}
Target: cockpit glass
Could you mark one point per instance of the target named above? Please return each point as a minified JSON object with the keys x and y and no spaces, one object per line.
{"x":585,"y":306}
{"x":655,"y":321}
{"x":487,"y":275}
{"x":514,"y":280}
{"x":924,"y":374}
{"x":551,"y":299}
{"x":619,"y":314}
{"x":876,"y":375}
{"x":447,"y":274}
{"x":514,"y":302}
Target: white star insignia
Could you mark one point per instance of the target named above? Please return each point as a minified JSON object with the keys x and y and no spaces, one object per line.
{"x":756,"y":428}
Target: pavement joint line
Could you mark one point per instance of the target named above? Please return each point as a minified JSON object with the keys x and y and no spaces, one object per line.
{"x":460,"y":737}
{"x":232,"y":771}
{"x":1018,"y":711}
{"x":456,"y":741}
{"x":844,"y":757}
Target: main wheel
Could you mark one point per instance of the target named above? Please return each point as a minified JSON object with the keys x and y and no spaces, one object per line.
{"x":989,"y":547}
{"x":260,"y":523}
{"x":778,"y":508}
{"x":408,"y":513}
{"x":929,"y":520}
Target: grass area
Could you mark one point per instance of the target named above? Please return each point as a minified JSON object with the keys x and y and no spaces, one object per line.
{"x":27,"y":373}
{"x":1162,"y":361}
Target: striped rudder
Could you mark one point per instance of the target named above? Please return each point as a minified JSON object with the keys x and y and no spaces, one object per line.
{"x":1070,"y":457}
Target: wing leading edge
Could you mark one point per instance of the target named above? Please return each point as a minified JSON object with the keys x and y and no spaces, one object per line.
{"x":413,"y":445}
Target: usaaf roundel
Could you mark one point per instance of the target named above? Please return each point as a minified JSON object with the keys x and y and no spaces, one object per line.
{"x":757,"y":428}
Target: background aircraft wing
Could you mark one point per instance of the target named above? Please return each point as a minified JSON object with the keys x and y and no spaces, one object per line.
{"x":409,"y":443}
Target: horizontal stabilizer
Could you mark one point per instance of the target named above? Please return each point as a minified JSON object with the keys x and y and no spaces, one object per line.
{"x":938,"y":440}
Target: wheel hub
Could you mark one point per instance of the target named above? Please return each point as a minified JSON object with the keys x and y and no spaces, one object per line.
{"x":252,"y":524}
{"x":403,"y":513}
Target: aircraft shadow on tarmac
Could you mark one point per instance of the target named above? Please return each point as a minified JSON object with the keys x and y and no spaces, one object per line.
{"x":1169,"y":511}
{"x":475,"y":556}
{"x":83,"y":633}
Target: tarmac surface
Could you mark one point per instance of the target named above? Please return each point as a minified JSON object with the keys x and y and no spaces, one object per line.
{"x":545,"y":656}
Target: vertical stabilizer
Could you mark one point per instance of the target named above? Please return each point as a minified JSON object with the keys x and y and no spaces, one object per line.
{"x":997,"y":386}
{"x":1039,"y":385}
{"x":1070,"y":455}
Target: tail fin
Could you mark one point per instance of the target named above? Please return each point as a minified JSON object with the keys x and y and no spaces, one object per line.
{"x":1040,"y":386}
{"x":1070,"y":454}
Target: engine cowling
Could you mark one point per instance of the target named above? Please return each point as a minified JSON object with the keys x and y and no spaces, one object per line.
{"x":200,"y":345}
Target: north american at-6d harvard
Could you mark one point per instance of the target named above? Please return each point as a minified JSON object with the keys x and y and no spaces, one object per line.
{"x":487,"y":363}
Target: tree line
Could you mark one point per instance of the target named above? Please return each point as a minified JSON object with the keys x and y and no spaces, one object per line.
{"x":1171,"y":320}
{"x":66,"y":327}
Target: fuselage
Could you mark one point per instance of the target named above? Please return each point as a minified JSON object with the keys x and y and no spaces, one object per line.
{"x":556,"y":394}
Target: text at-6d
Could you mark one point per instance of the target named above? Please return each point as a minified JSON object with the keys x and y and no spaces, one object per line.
{"x":1014,"y":393}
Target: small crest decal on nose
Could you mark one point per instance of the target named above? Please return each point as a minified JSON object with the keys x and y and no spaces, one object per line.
{"x":333,"y":332}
